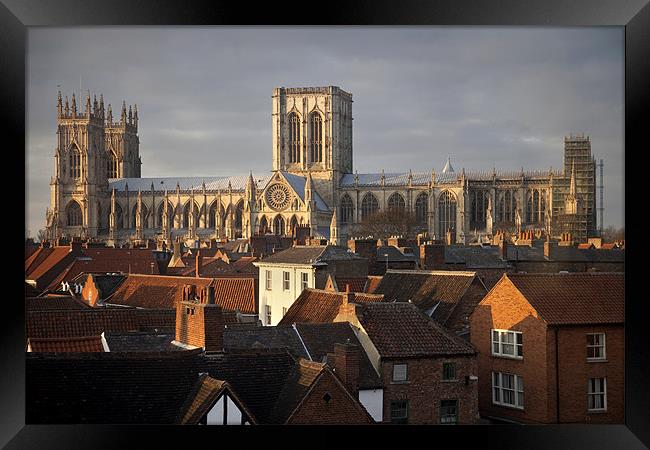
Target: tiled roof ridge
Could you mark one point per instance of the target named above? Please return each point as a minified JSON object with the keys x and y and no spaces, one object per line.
{"x":560,"y":274}
{"x":186,"y":354}
{"x":434,"y":272}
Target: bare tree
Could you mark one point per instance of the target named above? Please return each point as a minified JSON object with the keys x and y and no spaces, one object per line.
{"x":612,"y":234}
{"x":390,"y":222}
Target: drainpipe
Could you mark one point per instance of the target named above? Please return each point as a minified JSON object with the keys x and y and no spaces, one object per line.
{"x":557,"y":379}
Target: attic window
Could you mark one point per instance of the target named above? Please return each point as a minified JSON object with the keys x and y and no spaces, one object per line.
{"x":327,"y":397}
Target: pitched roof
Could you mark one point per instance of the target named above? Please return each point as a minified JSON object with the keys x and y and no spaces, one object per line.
{"x":426,"y":289}
{"x":212,"y":184}
{"x":373,"y":282}
{"x":318,"y":306}
{"x":217,"y":267}
{"x":140,"y":341}
{"x":109,"y":387}
{"x":357,"y":284}
{"x":319,"y":338}
{"x":94,"y":321}
{"x":155,"y":291}
{"x":394,"y":255}
{"x":55,"y":302}
{"x":257,"y":376}
{"x":400,"y":330}
{"x":255,"y":337}
{"x":106,"y":283}
{"x":66,"y":345}
{"x":201,"y":399}
{"x":54,"y":261}
{"x":475,"y":256}
{"x":574,"y":298}
{"x":311,"y":254}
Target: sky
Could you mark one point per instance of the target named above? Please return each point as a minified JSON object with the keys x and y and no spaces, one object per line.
{"x":487,"y":97}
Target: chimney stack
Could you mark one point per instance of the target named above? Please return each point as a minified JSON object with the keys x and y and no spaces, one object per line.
{"x":199,"y":264}
{"x":366,"y":248}
{"x":200,"y":325}
{"x":432,"y":256}
{"x":345,"y":362}
{"x":503,"y":247}
{"x":162,"y":257}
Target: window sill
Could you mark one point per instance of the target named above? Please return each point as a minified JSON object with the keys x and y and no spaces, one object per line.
{"x":517,"y":358}
{"x":595,"y":360}
{"x":400,"y":382}
{"x":450,"y":381}
{"x":504,"y":405}
{"x":596,"y":411}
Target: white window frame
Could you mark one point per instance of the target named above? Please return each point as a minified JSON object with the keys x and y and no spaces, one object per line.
{"x":592,"y":394}
{"x":516,"y":346}
{"x":397,"y":366}
{"x":304,"y":281}
{"x":498,"y":390}
{"x":286,"y":280}
{"x":603,"y":346}
{"x":269,"y":280}
{"x":284,"y":311}
{"x":268,"y":314}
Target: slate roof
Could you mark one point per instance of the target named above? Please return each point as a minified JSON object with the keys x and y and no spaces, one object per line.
{"x":319,"y":338}
{"x":319,"y":306}
{"x":394,"y":255}
{"x":248,"y":338}
{"x":153,"y":291}
{"x":79,"y":344}
{"x":574,"y":298}
{"x":109,"y":387}
{"x":140,"y":341}
{"x":443,"y":290}
{"x":257,"y":376}
{"x":94,"y":321}
{"x":311,"y":254}
{"x":400,"y":330}
{"x":212,"y":184}
{"x":475,"y":256}
{"x":298,"y":184}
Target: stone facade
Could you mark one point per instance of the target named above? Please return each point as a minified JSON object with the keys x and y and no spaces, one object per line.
{"x":97,"y":190}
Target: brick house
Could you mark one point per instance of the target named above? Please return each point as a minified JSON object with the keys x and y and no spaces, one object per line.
{"x":551,"y":348}
{"x":428,"y":373}
{"x":447,"y":296}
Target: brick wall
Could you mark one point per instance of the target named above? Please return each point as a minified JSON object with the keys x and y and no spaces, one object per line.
{"x":340,"y":409}
{"x":200,"y":325}
{"x":504,"y":308}
{"x":425,"y":389}
{"x":575,"y":371}
{"x":91,"y":290}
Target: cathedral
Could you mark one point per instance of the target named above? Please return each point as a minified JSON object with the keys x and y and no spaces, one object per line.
{"x":97,"y":190}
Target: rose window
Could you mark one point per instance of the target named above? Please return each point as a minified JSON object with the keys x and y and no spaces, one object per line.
{"x":278,"y":196}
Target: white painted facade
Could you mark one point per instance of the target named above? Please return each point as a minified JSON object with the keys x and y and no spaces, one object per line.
{"x":373,"y":401}
{"x":277,"y":296}
{"x":233,"y":414}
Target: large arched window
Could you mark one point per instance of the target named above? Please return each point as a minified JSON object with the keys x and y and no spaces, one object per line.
{"x":369,"y":205}
{"x":316,"y":137}
{"x":293,"y":223}
{"x":239,"y":213}
{"x":186,"y":215}
{"x":479,"y":208}
{"x":264,"y":226}
{"x":112,"y":165}
{"x":447,"y":212}
{"x":396,"y":203}
{"x":422,"y":208}
{"x":212,"y":215}
{"x":278,"y":225}
{"x":119,"y":218}
{"x":506,"y":207}
{"x":74,"y":215}
{"x":294,"y":138}
{"x":75,"y":162}
{"x":347,"y":209}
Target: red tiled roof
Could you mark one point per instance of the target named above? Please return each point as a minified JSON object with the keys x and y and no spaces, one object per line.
{"x":609,"y":246}
{"x":155,"y":291}
{"x":400,"y":330}
{"x":574,"y":298}
{"x":49,"y":264}
{"x":54,"y":302}
{"x":585,"y":245}
{"x":81,"y":344}
{"x":319,"y":306}
{"x":95,"y":321}
{"x":356,"y":284}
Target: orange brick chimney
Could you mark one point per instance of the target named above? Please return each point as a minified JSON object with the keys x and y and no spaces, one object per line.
{"x":199,"y":264}
{"x":200,"y":325}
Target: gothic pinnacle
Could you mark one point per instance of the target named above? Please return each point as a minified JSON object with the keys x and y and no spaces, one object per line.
{"x":59,"y":105}
{"x":74,"y":105}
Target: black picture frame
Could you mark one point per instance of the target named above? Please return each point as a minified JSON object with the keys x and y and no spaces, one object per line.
{"x":17,"y":15}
